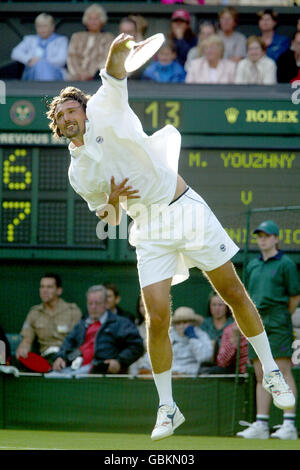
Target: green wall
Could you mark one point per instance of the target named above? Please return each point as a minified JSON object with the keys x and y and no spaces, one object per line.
{"x":211,"y":405}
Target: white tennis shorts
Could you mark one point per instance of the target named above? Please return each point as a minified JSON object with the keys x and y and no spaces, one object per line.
{"x":171,"y":239}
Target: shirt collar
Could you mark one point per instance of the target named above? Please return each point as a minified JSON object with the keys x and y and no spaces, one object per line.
{"x":102,"y":319}
{"x":278,"y":255}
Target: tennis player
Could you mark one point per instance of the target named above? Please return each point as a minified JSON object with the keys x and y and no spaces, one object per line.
{"x":114,"y":166}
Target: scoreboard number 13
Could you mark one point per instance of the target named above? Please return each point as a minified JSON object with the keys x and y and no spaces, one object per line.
{"x":162,"y":113}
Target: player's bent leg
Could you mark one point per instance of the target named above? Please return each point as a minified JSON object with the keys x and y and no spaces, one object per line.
{"x":156,"y":299}
{"x":228,"y":285}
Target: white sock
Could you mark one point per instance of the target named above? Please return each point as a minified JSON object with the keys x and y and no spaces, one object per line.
{"x":263,"y":419}
{"x":261,"y":346}
{"x":289,"y":418}
{"x":163,"y":382}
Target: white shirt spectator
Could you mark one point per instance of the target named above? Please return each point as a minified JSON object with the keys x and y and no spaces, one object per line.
{"x":189,"y":353}
{"x":56,"y":51}
{"x":262,"y":72}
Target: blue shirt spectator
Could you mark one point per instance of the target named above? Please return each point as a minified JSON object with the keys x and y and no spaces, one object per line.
{"x":276,"y":43}
{"x":43,"y":54}
{"x":278,"y":46}
{"x":166,"y":68}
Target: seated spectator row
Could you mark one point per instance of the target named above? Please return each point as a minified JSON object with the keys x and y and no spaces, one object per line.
{"x":216,"y":55}
{"x":60,"y":341}
{"x":108,"y":339}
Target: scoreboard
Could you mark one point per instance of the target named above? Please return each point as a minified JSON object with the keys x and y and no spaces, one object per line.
{"x":240,"y":150}
{"x":40,"y":210}
{"x":38,"y":206}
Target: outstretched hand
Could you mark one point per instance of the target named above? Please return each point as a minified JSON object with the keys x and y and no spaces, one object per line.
{"x":117,"y":55}
{"x":121,"y":190}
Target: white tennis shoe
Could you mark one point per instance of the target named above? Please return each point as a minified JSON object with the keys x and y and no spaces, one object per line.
{"x":256,"y":430}
{"x":285,"y":432}
{"x":275,"y":384}
{"x":168,"y":419}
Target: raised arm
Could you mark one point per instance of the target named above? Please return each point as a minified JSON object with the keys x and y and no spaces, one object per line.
{"x":117,"y":54}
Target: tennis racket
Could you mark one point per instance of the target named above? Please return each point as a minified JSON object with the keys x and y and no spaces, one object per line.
{"x":141,"y":52}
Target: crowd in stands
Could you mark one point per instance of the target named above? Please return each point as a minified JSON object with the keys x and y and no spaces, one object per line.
{"x":215,"y":54}
{"x":108,"y":339}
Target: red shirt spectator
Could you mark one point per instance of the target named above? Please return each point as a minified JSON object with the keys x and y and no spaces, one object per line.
{"x":228,"y":349}
{"x":87,"y":349}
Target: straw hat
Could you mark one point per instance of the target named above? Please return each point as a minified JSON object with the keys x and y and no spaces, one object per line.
{"x":186,"y":314}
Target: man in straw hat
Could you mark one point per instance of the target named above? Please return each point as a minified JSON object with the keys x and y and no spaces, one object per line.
{"x":113,"y":162}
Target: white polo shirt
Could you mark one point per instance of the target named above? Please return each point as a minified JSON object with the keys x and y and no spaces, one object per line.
{"x":116,"y":145}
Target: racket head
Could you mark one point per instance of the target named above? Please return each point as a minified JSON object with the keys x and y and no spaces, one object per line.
{"x":35,"y":363}
{"x":141,"y":52}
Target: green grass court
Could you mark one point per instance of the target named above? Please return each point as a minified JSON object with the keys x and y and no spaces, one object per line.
{"x":58,"y":440}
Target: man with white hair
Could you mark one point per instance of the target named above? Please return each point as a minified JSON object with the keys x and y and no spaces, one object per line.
{"x":44,"y":54}
{"x":101,"y":343}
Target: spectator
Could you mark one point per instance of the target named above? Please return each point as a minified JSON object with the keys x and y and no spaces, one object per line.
{"x":142,"y":26}
{"x":50,"y":321}
{"x":182,"y":34}
{"x":256,"y":68}
{"x":101,"y":343}
{"x":142,"y":365}
{"x":227,"y":355}
{"x":88,"y":49}
{"x":5,"y":350}
{"x":273,"y":284}
{"x":219,"y":318}
{"x":212,"y":67}
{"x":191,"y":346}
{"x":276,"y":44}
{"x":206,"y":29}
{"x":44,"y":54}
{"x":288,"y":64}
{"x":234,"y":42}
{"x":165,"y":69}
{"x":113,"y":300}
{"x":128,"y":26}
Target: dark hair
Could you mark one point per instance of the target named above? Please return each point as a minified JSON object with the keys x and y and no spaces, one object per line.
{"x":232,"y":11}
{"x":268,"y":11}
{"x":215,"y":294}
{"x":67,"y":94}
{"x":127,"y":19}
{"x":170,"y":45}
{"x":55,"y":276}
{"x":113,"y":287}
{"x":188,"y":34}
